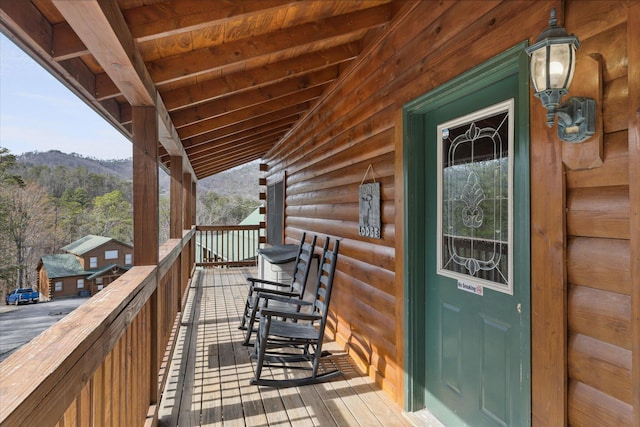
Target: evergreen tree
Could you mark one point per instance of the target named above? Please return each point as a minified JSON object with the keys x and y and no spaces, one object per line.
{"x":112,"y":216}
{"x":7,"y":164}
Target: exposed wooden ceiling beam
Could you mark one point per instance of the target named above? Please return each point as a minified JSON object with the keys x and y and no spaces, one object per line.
{"x":105,"y":88}
{"x":244,"y":133}
{"x":229,"y":153}
{"x":227,"y":162}
{"x":21,"y":18}
{"x":237,"y":140}
{"x":253,"y":97}
{"x":292,"y":112}
{"x":237,"y":137}
{"x":172,"y":18}
{"x":204,"y":126}
{"x":193,"y":94}
{"x":66,"y":44}
{"x":199,"y":61}
{"x":214,"y":169}
{"x":162,"y":20}
{"x":102,"y":28}
{"x":278,"y":71}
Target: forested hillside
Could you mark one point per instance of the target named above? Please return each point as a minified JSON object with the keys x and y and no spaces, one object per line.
{"x":48,"y":200}
{"x":241,"y":181}
{"x":119,"y":168}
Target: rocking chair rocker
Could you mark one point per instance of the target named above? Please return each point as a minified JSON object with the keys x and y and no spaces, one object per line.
{"x":286,"y":336}
{"x":295,"y":289}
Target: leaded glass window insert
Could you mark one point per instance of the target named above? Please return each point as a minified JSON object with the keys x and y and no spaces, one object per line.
{"x":475,"y":197}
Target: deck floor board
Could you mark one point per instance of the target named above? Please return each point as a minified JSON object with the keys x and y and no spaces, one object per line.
{"x":210,"y":371}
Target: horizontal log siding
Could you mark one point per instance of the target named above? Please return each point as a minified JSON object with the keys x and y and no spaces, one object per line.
{"x":598,"y":231}
{"x":327,"y":154}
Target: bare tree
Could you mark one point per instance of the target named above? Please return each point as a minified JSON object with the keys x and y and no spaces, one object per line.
{"x":26,"y":222}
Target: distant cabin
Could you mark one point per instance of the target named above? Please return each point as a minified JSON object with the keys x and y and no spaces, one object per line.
{"x":88,"y":265}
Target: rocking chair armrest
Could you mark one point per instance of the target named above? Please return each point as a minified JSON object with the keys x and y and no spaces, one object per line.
{"x":265,"y":312}
{"x":282,"y":298}
{"x":255,"y":280}
{"x":263,"y":292}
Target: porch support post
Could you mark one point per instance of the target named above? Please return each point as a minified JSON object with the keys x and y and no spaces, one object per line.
{"x":193,"y":202}
{"x":186,"y":215}
{"x":193,"y":217}
{"x":186,"y":200}
{"x":548,"y":275}
{"x":176,"y":226}
{"x":145,"y":185}
{"x":145,"y":220}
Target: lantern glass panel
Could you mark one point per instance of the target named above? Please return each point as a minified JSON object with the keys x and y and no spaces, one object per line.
{"x":538,"y":69}
{"x":561,"y":65}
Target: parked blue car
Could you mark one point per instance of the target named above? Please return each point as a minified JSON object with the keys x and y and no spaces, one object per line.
{"x":22,"y":295}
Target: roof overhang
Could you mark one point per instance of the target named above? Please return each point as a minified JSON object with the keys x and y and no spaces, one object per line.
{"x":228,"y":79}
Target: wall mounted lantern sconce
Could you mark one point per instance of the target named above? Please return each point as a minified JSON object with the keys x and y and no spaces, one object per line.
{"x":553,"y":60}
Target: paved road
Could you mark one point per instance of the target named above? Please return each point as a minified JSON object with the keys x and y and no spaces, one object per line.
{"x":20,"y":324}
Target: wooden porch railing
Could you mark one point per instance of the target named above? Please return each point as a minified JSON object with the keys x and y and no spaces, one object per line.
{"x":227,"y":245}
{"x":103,"y":363}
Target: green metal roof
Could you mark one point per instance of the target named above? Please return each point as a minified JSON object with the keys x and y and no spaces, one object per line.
{"x":62,"y":265}
{"x":101,"y":271}
{"x":254,"y":218}
{"x":87,"y":243}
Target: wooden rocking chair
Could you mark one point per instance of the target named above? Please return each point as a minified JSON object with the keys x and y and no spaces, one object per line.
{"x":295,"y":289}
{"x":287,"y":336}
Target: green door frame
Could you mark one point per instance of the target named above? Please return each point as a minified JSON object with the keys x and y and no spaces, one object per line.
{"x":512,"y":61}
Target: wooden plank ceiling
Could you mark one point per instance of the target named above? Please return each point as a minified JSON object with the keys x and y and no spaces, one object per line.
{"x":229,"y":78}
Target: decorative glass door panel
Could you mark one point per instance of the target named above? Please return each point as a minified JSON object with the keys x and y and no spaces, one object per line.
{"x":475,"y":197}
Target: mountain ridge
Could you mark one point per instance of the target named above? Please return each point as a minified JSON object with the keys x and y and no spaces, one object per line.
{"x":241,"y":181}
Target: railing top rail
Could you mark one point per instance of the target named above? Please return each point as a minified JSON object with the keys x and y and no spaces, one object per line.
{"x":42,"y":378}
{"x":226,"y":227}
{"x":56,"y":364}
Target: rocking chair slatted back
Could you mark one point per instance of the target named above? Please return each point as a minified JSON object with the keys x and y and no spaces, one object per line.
{"x":281,"y":333}
{"x":325,"y":282}
{"x":295,"y":289}
{"x":302,"y":267}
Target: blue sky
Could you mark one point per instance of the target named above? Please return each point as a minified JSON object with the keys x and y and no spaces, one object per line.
{"x":37,"y":113}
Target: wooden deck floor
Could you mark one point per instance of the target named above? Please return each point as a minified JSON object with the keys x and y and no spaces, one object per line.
{"x":208,"y":382}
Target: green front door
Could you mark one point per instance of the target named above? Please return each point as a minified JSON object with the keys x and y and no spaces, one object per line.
{"x":473,"y":267}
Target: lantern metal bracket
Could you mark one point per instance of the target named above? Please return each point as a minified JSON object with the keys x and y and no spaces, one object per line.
{"x":576,"y":119}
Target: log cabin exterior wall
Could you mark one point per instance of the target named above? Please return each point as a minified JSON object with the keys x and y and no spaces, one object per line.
{"x":357,"y":124}
{"x":599,"y":304}
{"x":123,"y":250}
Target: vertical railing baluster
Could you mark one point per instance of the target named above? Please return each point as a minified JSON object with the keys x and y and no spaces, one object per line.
{"x":228,"y":246}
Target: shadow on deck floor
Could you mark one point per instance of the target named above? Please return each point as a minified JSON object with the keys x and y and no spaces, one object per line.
{"x":209,"y":374}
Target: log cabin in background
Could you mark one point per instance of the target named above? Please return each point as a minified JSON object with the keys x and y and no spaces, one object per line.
{"x":85,"y":267}
{"x":324,"y":92}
